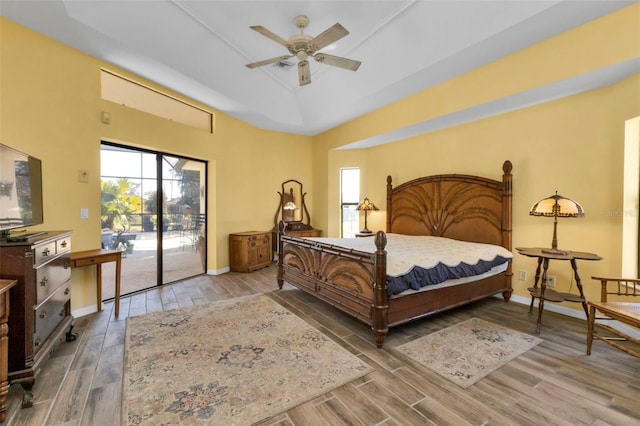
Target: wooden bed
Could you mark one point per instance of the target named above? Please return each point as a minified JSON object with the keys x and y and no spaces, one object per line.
{"x":462,"y":207}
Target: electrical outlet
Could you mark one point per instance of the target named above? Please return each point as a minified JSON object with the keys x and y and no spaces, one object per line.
{"x":551,"y":281}
{"x":83,"y":176}
{"x":522,"y":275}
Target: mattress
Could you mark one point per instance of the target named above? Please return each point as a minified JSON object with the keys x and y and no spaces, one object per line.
{"x":417,"y":262}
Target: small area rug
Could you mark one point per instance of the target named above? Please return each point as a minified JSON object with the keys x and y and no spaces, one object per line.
{"x":236,"y":361}
{"x":466,"y":352}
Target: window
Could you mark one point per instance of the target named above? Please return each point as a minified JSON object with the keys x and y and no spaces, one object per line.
{"x":349,"y":199}
{"x":134,"y":95}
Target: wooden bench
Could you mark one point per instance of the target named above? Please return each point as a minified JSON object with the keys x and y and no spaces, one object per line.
{"x":625,"y":312}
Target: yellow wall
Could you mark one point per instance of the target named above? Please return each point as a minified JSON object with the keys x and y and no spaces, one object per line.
{"x":50,"y":107}
{"x":573,"y":145}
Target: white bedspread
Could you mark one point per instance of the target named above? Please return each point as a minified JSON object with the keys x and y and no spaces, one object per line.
{"x":406,"y":251}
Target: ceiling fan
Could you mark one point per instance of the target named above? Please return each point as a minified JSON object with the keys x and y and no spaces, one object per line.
{"x":303,"y":46}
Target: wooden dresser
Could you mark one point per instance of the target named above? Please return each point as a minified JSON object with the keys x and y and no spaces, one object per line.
{"x":5,"y":285}
{"x":249,"y":251}
{"x":39,"y":303}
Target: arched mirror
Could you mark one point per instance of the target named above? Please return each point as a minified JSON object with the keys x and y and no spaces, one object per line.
{"x":292,"y":208}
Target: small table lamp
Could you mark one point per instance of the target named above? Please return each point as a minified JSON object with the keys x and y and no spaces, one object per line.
{"x":556,"y":206}
{"x":366,"y":205}
{"x":288,"y":212}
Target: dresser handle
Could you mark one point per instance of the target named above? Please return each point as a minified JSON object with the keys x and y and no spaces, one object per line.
{"x":63,"y":244}
{"x":37,"y":342}
{"x":46,"y":252}
{"x":44,"y":281}
{"x":43,"y":314}
{"x":61,"y":312}
{"x":67,"y":291}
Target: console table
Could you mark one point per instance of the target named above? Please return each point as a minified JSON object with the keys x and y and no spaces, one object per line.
{"x":5,"y":285}
{"x":98,"y":257}
{"x":543,"y":293}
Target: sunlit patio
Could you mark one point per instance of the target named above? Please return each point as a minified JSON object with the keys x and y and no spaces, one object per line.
{"x":181,"y":259}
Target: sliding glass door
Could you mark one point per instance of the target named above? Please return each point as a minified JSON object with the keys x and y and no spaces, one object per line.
{"x":154,"y":211}
{"x":184,"y":218}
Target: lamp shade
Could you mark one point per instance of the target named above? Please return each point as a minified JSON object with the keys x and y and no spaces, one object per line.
{"x":289,"y":205}
{"x":366,"y":205}
{"x":556,"y":206}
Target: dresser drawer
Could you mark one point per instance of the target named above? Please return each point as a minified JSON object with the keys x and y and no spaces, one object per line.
{"x":50,"y":314}
{"x":51,"y":276}
{"x":44,"y":252}
{"x":63,"y":245}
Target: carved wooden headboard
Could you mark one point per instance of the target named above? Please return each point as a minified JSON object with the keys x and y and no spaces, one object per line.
{"x":469,"y":208}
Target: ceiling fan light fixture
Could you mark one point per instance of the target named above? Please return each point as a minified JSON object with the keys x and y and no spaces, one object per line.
{"x":304,"y":74}
{"x":302,"y":55}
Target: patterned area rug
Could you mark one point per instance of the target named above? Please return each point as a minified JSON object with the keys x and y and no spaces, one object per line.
{"x":466,"y":352}
{"x":231,"y":362}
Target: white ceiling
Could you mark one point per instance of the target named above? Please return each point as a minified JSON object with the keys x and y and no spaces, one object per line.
{"x":199,"y":48}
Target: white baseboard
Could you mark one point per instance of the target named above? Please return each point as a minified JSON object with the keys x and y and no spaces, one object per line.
{"x":91,"y":309}
{"x":574,"y":313}
{"x":218,"y":271}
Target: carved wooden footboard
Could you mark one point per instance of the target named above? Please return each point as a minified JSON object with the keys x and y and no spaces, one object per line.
{"x":344,"y":278}
{"x":462,"y":207}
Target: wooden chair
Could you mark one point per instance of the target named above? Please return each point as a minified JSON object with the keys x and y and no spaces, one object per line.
{"x":625,"y":312}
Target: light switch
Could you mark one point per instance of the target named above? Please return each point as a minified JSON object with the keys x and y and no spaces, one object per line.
{"x":84,"y":213}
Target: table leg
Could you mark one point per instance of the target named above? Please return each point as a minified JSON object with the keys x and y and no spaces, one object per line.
{"x":543,"y":287}
{"x":590,"y":324}
{"x":99,"y":285}
{"x":535,"y":283}
{"x":574,"y":265}
{"x":118,"y":262}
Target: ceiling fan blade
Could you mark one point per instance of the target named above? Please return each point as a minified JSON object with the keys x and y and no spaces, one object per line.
{"x":268,"y":34}
{"x":329,"y":36}
{"x":337,"y":61}
{"x":268,"y":61}
{"x":304,"y":73}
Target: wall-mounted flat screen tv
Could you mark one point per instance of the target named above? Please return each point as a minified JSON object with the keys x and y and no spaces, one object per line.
{"x":20,"y":190}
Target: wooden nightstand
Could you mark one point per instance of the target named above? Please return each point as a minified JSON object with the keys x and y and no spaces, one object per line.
{"x":249,"y":251}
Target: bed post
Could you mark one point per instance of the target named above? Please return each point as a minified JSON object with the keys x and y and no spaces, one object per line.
{"x":389,"y":210}
{"x":507,"y":195}
{"x":380,"y":305}
{"x":280,"y":276}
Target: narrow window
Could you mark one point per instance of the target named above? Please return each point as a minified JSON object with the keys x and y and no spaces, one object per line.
{"x":349,"y":198}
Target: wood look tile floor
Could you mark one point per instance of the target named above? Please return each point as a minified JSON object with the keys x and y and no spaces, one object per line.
{"x":553,"y":384}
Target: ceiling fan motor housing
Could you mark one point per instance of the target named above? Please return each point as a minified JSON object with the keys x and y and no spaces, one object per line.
{"x":299,"y":46}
